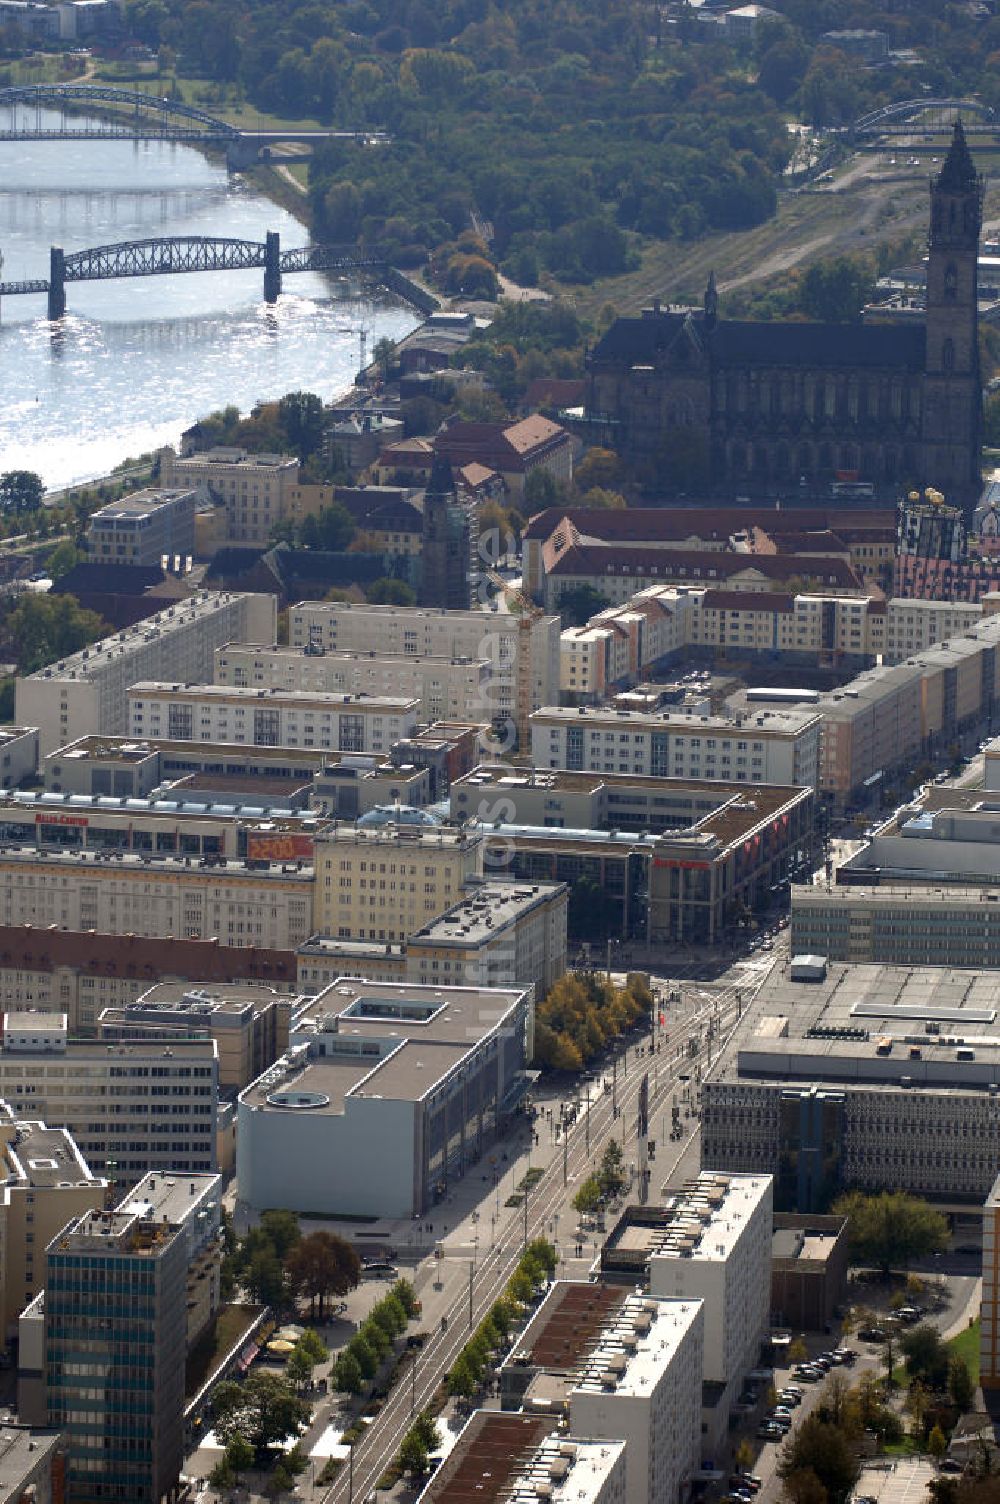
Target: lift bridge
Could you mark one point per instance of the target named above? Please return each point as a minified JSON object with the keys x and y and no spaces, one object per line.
{"x":169,"y":255}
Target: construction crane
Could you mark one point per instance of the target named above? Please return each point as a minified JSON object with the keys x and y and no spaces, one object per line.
{"x":526,"y":613}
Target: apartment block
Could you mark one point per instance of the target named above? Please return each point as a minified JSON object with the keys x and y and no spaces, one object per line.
{"x":622,"y":1367}
{"x":385,"y":882}
{"x":269,"y":717}
{"x":388,"y":1093}
{"x":116,"y":1283}
{"x":248,"y":1023}
{"x":445,"y":688}
{"x":338,"y":626}
{"x":519,"y":1459}
{"x":32,"y":1458}
{"x":143,"y":529}
{"x":717,"y":1249}
{"x":130,"y":1108}
{"x":86,"y":692}
{"x":912,"y":925}
{"x":915,"y":625}
{"x":768,"y":746}
{"x":879,"y":1077}
{"x":47,"y":1181}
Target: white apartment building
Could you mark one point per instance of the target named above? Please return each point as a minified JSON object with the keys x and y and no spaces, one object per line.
{"x":256,"y":490}
{"x":445,"y":688}
{"x":269,"y":717}
{"x":766,"y":746}
{"x":717,"y":1249}
{"x":625,"y":1367}
{"x":385,"y":882}
{"x":86,"y":692}
{"x":131,"y":1107}
{"x":268,"y":905}
{"x":914,"y":625}
{"x":642,"y":1382}
{"x":338,"y":626}
{"x":143,"y":529}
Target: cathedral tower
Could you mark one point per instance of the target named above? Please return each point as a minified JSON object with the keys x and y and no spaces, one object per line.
{"x":952,"y":389}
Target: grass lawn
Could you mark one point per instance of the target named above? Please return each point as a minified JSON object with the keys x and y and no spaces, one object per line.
{"x":905,"y":1448}
{"x":231,"y":1324}
{"x":966,"y":1345}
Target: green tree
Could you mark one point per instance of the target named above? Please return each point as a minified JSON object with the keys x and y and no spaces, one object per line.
{"x":222,"y":1476}
{"x":937,"y":1444}
{"x":927,"y":1357}
{"x":264,"y":1278}
{"x":836,"y":291}
{"x":427,"y":1429}
{"x":330,"y":529}
{"x":320,"y":1265}
{"x":298,"y":1369}
{"x":588,"y":1198}
{"x":21,"y":491}
{"x":281,"y":1229}
{"x":611,"y":1172}
{"x":960,"y":1385}
{"x":383,"y":353}
{"x":404,"y":1292}
{"x":43,"y":628}
{"x":578,"y":603}
{"x":823,"y":1449}
{"x":389,"y":592}
{"x":239,"y":1454}
{"x":313,"y":1346}
{"x":413,"y":1454}
{"x":302,"y":418}
{"x":348,"y":1377}
{"x":462,"y":1377}
{"x":361,"y":1349}
{"x":891,"y":1228}
{"x":62,"y":559}
{"x":263,"y":1408}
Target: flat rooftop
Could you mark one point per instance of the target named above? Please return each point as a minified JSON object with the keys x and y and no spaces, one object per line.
{"x":265,"y":819}
{"x":397,"y":1040}
{"x":328,"y":947}
{"x":890,"y":1027}
{"x":22,"y":1448}
{"x":568,"y":1323}
{"x":140,"y":504}
{"x":44,"y":1157}
{"x":802,"y":1244}
{"x":314,"y":654}
{"x":357,"y":700}
{"x":492,"y":1460}
{"x":89,"y":662}
{"x":195,"y":1000}
{"x":207,"y":868}
{"x":766,"y":722}
{"x":491,"y":908}
{"x":131,"y":749}
{"x":493,"y":1450}
{"x":170,"y":1198}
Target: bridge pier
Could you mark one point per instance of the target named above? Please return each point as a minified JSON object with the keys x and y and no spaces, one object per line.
{"x":272,"y":266}
{"x":57,"y":282}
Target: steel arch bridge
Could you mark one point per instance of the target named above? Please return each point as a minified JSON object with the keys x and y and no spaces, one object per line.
{"x":170,"y":255}
{"x":137,"y":115}
{"x":128,"y":114}
{"x":903,"y":117}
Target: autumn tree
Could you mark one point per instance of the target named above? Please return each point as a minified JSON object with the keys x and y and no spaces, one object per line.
{"x":823,"y":1449}
{"x":320,"y":1265}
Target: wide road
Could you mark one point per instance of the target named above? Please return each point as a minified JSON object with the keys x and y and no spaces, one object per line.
{"x":706,"y":1014}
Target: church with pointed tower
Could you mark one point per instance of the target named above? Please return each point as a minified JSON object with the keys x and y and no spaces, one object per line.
{"x":722,"y":407}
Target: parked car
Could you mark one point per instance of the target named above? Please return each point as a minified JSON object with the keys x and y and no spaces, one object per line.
{"x":379,"y":1270}
{"x":769,"y":1432}
{"x":872,"y":1334}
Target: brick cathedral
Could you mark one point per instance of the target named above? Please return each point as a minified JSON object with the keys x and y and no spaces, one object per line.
{"x":769,"y":409}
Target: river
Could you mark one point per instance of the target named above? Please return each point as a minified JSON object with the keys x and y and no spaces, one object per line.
{"x":135,"y":361}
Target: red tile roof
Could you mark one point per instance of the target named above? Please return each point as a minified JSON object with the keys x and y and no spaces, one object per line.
{"x":689,"y":566}
{"x":642,"y":524}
